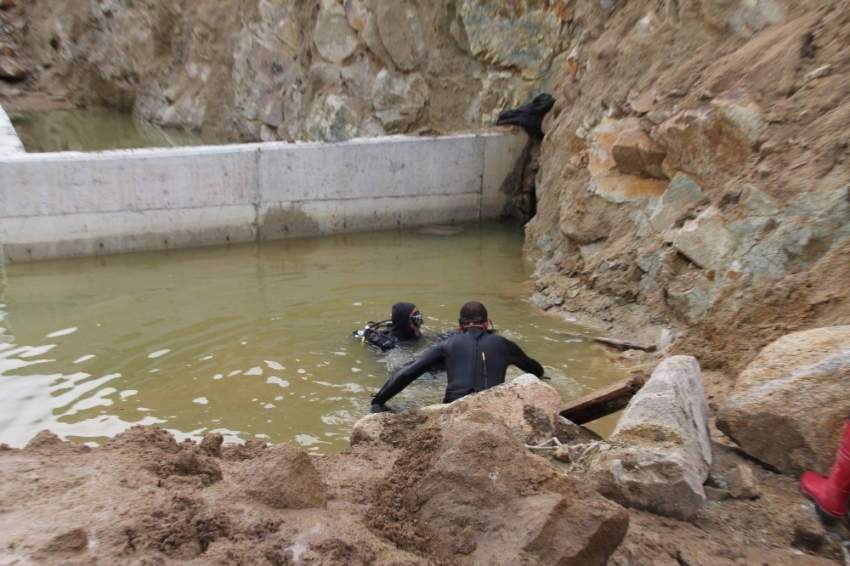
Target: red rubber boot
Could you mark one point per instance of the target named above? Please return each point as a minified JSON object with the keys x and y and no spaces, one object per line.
{"x":830,"y":494}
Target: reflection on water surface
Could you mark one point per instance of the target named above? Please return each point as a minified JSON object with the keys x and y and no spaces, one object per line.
{"x":90,"y":130}
{"x":254,"y":341}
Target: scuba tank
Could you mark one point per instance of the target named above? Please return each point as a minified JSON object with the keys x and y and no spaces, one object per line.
{"x":372,"y":334}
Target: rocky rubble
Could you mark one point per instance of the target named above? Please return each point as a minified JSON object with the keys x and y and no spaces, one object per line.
{"x":458,"y":488}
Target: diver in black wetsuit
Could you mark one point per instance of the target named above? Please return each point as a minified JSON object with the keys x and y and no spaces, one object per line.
{"x":475,"y":360}
{"x":404,"y":326}
{"x":406,"y":322}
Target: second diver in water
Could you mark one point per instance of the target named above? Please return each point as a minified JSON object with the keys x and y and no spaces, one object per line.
{"x":475,"y":360}
{"x":404,"y":326}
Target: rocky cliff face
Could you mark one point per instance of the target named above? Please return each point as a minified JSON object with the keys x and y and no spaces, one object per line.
{"x":694,"y":176}
{"x":287,"y":69}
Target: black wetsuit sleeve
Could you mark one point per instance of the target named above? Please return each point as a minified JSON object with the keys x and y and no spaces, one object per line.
{"x":518,"y":358}
{"x":405,"y":376}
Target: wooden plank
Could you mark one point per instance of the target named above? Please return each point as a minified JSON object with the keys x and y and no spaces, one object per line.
{"x":621,"y":345}
{"x":624,"y":345}
{"x":604,"y":401}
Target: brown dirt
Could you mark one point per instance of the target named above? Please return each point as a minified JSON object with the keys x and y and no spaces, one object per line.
{"x":128,"y":502}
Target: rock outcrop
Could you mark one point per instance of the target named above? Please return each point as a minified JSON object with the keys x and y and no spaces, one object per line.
{"x":706,"y":194}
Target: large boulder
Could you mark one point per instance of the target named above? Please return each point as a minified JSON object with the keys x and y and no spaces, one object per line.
{"x":659,"y":454}
{"x":526,"y":405}
{"x":468,"y":492}
{"x":789,"y":406}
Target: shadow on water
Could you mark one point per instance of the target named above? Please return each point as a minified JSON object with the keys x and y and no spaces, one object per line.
{"x":89,"y":130}
{"x":255,"y":341}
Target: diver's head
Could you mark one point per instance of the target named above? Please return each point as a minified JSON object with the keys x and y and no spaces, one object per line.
{"x":473,"y":313}
{"x":406,"y":320}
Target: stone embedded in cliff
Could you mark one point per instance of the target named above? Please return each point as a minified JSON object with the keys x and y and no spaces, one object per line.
{"x":706,"y":240}
{"x":743,"y":114}
{"x":520,"y":35}
{"x":10,"y":69}
{"x":643,"y":102}
{"x":693,"y":294}
{"x":526,"y":405}
{"x":681,"y":194}
{"x":788,"y":408}
{"x":659,"y":454}
{"x":468,"y":492}
{"x":757,"y":204}
{"x":648,"y":25}
{"x":636,"y":154}
{"x":282,"y":477}
{"x":399,"y":100}
{"x":626,"y":188}
{"x":600,"y":158}
{"x":401,"y":33}
{"x":357,"y":13}
{"x":335,"y":39}
{"x":607,"y":180}
{"x":779,"y":247}
{"x":744,"y":18}
{"x":774,"y":241}
{"x":701,"y":144}
{"x":650,"y":265}
{"x":330,"y":119}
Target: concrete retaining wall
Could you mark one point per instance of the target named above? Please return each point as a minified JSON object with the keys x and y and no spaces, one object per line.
{"x":10,"y":143}
{"x":77,"y":204}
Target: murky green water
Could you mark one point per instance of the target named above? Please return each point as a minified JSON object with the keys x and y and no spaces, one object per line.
{"x":88,"y":130}
{"x":254,"y":341}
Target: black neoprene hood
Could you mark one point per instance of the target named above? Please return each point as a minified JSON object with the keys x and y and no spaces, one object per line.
{"x":401,"y":320}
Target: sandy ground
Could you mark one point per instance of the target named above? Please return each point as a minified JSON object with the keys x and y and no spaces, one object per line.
{"x":144,"y":499}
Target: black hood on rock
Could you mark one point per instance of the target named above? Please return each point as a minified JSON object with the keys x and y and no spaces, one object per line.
{"x":529,"y":116}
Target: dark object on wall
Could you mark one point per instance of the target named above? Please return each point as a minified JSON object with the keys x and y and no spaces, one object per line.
{"x":529,"y":116}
